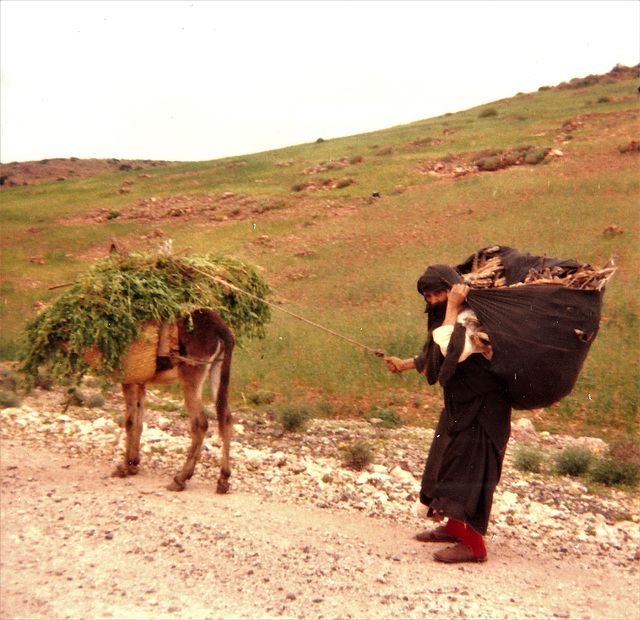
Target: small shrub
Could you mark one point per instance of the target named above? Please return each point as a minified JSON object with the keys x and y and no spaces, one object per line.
{"x":113,"y":214}
{"x":356,"y":159}
{"x":574,"y":461}
{"x":604,"y":99}
{"x":481,"y":155}
{"x":345,"y":182}
{"x":319,"y":140}
{"x":293,"y":418}
{"x":511,"y":159}
{"x":384,"y":418}
{"x":9,"y":380}
{"x":95,"y":400}
{"x":298,"y":187}
{"x":489,"y":112}
{"x":528,"y":458}
{"x":44,"y":381}
{"x":359,"y":455}
{"x":8,"y":399}
{"x":536,"y":156}
{"x":612,"y":472}
{"x":490,"y":163}
{"x":77,"y":398}
{"x":262,"y":397}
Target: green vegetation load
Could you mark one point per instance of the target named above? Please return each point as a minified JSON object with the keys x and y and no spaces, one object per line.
{"x":107,"y":307}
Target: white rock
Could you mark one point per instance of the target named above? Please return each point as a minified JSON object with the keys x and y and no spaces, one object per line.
{"x":400,"y":474}
{"x":164,"y":423}
{"x":593,"y":444}
{"x":381,"y":496}
{"x":509,"y":499}
{"x":254,"y":462}
{"x":523,"y":430}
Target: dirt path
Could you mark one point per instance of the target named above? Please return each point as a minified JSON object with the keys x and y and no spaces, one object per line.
{"x":79,"y":544}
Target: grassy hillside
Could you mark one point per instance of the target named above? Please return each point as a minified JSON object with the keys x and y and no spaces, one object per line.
{"x":349,"y":260}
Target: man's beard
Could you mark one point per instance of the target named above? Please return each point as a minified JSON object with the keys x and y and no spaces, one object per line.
{"x":435,"y":313}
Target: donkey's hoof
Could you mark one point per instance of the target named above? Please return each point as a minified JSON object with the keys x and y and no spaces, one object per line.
{"x":176,"y":486}
{"x":223,"y":486}
{"x":119,"y":472}
{"x":122,"y":471}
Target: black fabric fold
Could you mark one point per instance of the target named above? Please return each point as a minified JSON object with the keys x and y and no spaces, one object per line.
{"x":540,"y":335}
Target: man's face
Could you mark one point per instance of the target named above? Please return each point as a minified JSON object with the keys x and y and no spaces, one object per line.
{"x":437,"y":297}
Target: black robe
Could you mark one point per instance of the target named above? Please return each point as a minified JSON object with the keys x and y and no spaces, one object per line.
{"x":465,"y":460}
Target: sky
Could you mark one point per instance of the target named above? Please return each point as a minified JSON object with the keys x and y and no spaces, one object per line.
{"x":200,"y":80}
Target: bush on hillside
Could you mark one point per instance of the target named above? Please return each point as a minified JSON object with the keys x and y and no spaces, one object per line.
{"x":528,"y":458}
{"x":293,"y":418}
{"x":384,"y":418}
{"x":574,"y":461}
{"x":359,"y":455}
{"x":612,"y":472}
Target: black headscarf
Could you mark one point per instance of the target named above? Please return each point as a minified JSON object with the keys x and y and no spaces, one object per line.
{"x":438,"y":278}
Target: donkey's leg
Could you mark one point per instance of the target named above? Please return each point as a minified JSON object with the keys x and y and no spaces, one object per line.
{"x":134,"y":397}
{"x":191,"y":380}
{"x":224,"y":422}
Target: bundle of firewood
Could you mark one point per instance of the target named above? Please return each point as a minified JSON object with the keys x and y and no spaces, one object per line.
{"x":488,"y":271}
{"x":585,"y":277}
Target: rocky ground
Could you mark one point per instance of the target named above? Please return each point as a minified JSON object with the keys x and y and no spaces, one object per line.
{"x":300,"y":535}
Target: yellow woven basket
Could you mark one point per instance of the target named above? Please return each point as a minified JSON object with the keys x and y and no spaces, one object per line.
{"x":140,"y":364}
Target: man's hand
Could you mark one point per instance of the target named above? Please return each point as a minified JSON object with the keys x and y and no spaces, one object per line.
{"x":458,"y":294}
{"x":393,"y":364}
{"x":397,"y":365}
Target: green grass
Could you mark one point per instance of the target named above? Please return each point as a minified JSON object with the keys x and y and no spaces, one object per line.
{"x":350,"y":263}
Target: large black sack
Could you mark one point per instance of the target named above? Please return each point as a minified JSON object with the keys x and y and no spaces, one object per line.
{"x":540,"y":333}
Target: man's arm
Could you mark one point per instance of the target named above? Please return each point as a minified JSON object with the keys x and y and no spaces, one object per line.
{"x":456,"y":298}
{"x":457,"y":295}
{"x":395,"y":364}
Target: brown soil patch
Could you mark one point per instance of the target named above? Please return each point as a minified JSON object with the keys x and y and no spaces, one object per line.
{"x":214,"y":208}
{"x":60,"y":169}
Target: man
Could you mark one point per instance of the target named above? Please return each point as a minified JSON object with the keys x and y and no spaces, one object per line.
{"x":465,"y":460}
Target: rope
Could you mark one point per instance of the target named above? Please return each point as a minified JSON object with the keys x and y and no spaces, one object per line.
{"x":376,"y":352}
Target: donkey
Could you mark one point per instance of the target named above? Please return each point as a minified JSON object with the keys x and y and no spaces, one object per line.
{"x":204,"y":347}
